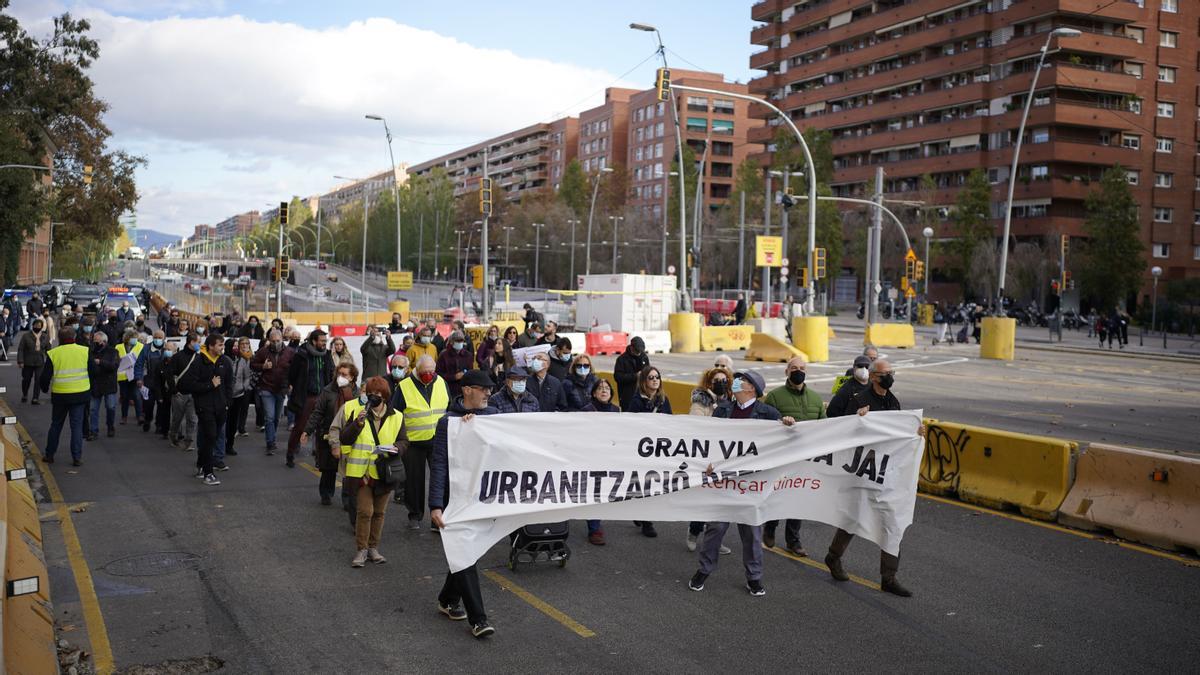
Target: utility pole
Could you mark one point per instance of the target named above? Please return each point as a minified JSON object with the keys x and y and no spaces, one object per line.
{"x":766,"y":271}
{"x":420,"y":243}
{"x":783,"y":225}
{"x":483,"y":247}
{"x":742,"y":241}
{"x":877,"y":228}
{"x":318,"y":234}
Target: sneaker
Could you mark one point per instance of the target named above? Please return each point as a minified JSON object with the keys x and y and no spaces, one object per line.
{"x":260,"y":429}
{"x":211,"y":479}
{"x":270,"y":450}
{"x":596,"y":538}
{"x":414,"y":523}
{"x":112,"y":432}
{"x":454,"y":612}
{"x":755,"y":587}
{"x":725,"y":550}
{"x":220,"y":466}
{"x":76,"y":462}
{"x":697,"y":581}
{"x":35,"y":402}
{"x":243,"y":434}
{"x":231,"y":453}
{"x":360,"y":559}
{"x":648,"y":529}
{"x":834,"y":563}
{"x":326,"y":500}
{"x":482,"y":630}
{"x":24,"y":398}
{"x":890,"y":585}
{"x":176,"y":442}
{"x":691,"y":542}
{"x":199,"y":473}
{"x":375,"y":556}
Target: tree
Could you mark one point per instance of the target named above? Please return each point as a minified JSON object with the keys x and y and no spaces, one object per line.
{"x":972,"y":226}
{"x":574,"y":190}
{"x":1113,"y":264}
{"x":748,"y":180}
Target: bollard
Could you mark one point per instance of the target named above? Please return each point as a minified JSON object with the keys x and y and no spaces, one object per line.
{"x":997,"y":338}
{"x":810,"y":334}
{"x":685,"y":332}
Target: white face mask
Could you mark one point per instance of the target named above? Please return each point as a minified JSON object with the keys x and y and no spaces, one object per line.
{"x":343,"y":381}
{"x":861,"y":374}
{"x":535,"y":365}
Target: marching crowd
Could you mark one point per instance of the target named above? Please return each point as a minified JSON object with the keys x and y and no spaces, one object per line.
{"x":379,"y":420}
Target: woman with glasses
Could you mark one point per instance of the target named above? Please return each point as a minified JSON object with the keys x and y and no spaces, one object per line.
{"x":577,"y":387}
{"x":649,"y":398}
{"x":713,"y":388}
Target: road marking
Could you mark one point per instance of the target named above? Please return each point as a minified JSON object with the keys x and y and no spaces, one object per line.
{"x":820,"y":566}
{"x":539,"y":604}
{"x":316,"y":472}
{"x":1189,"y":562}
{"x":92,"y":616}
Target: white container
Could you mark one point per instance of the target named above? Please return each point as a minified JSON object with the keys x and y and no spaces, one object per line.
{"x":630,"y":303}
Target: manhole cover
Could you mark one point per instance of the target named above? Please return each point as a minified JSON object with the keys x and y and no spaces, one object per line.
{"x":151,"y":564}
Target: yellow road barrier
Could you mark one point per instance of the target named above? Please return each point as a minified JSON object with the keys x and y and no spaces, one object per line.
{"x":725,"y":338}
{"x":997,"y":338}
{"x":685,"y":332}
{"x":810,"y":334}
{"x":898,"y":335}
{"x":765,"y":347}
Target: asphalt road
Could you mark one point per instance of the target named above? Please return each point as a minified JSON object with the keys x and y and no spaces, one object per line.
{"x":255,"y":573}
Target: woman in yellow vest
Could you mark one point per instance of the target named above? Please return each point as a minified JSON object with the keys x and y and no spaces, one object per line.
{"x":371,"y":432}
{"x":128,"y":386}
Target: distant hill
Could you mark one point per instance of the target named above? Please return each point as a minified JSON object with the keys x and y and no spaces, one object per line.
{"x":149,"y":239}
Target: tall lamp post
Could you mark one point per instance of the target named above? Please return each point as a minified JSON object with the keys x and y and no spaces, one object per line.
{"x":1012,"y":174}
{"x":587,"y":264}
{"x":1156,"y":272}
{"x":666,"y":227}
{"x":573,"y":222}
{"x":507,"y":231}
{"x":537,"y":253}
{"x":616,"y":220}
{"x":928,"y":232}
{"x":395,"y":187}
{"x":366,"y":219}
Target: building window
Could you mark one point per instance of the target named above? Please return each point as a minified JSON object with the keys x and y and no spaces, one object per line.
{"x":1164,"y":180}
{"x":1171,"y":6}
{"x":641,"y":133}
{"x":1131,"y":141}
{"x":722,"y":106}
{"x":1138,"y":34}
{"x":1168,"y":39}
{"x":658,"y":130}
{"x":637,"y":155}
{"x":1166,"y":74}
{"x":723,"y":127}
{"x":1198,"y":182}
{"x":658,"y":149}
{"x":1040,"y":135}
{"x":658,"y":190}
{"x":1166,"y":109}
{"x":697,"y":104}
{"x":658,"y":170}
{"x":1160,"y":250}
{"x":1196,"y":217}
{"x":1134,"y":177}
{"x":1163,"y":214}
{"x":1135,"y":69}
{"x":640,"y":116}
{"x":1166,"y":145}
{"x":697,"y":124}
{"x":1041,"y":172}
{"x":1196,"y":253}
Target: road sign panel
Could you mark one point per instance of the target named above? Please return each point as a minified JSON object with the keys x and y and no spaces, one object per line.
{"x":768,"y":251}
{"x":400,"y":281}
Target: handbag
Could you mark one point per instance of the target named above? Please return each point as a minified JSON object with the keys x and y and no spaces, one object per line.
{"x":389,"y":466}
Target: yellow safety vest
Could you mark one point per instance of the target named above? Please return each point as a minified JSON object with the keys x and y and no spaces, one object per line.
{"x":839,"y":381}
{"x":360,"y":457}
{"x":423,"y":417}
{"x":70,"y":369}
{"x":137,"y":351}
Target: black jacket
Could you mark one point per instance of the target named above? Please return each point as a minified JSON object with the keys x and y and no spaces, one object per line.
{"x":762,"y":411}
{"x":102,"y":370}
{"x":625,"y":372}
{"x":439,"y":462}
{"x":578,"y":391}
{"x":640,"y":404}
{"x":308,"y":374}
{"x":867,"y":398}
{"x":197,"y":381}
{"x":114,"y":330}
{"x":840,"y":403}
{"x":549,"y":393}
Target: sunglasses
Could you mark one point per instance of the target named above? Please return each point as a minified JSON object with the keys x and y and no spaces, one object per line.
{"x":653,"y":377}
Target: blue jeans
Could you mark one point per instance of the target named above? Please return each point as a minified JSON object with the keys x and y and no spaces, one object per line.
{"x":272,"y":405}
{"x":593,"y":526}
{"x":58,"y":416}
{"x":110,"y":410}
{"x":219,"y":449}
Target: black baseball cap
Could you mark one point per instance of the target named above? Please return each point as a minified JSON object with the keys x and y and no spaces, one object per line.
{"x":476,"y":378}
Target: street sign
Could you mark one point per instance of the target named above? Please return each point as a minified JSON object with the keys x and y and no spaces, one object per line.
{"x":400,"y":281}
{"x":670,"y":269}
{"x":878,"y":288}
{"x":768,"y":251}
{"x":910,"y":292}
{"x":786,"y":262}
{"x":783,"y":272}
{"x":893,"y":294}
{"x":910,"y":255}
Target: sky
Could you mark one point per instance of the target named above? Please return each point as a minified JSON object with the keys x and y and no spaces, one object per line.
{"x":240,"y":105}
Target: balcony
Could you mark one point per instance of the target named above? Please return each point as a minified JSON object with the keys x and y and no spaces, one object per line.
{"x":909,"y":135}
{"x":765,"y":34}
{"x":1122,"y":11}
{"x":759,"y":11}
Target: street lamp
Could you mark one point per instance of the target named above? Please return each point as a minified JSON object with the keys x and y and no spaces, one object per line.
{"x":574,"y":223}
{"x":783,"y":226}
{"x":928,"y":232}
{"x":587,"y":264}
{"x":537,"y":253}
{"x":615,"y":221}
{"x":507,"y":231}
{"x":666,"y":227}
{"x":1012,"y":174}
{"x":1156,"y":272}
{"x":395,"y":186}
{"x":366,"y":218}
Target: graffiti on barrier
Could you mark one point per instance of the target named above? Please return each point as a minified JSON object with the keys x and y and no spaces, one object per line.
{"x":943,"y":451}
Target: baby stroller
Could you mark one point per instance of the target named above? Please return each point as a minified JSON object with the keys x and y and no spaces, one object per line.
{"x":540,"y":542}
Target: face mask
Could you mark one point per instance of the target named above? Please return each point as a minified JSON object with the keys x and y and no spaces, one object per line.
{"x":343,"y":381}
{"x":796,"y":378}
{"x":535,"y":365}
{"x":737,"y":386}
{"x":517,"y":386}
{"x":425,"y":339}
{"x":719,"y":386}
{"x":101,"y":345}
{"x":426,"y":378}
{"x":565,"y":357}
{"x":87,"y":329}
{"x":253,"y":324}
{"x":362,"y":398}
{"x":374,"y":400}
{"x":398,"y":373}
{"x":459,"y":346}
{"x":886,"y":381}
{"x":861,"y":374}
{"x":131,"y":344}
{"x":167,"y":353}
{"x":196,"y":347}
{"x":199,"y":330}
{"x":583,"y":370}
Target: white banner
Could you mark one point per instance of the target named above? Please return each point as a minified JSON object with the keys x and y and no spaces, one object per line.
{"x":856,"y":473}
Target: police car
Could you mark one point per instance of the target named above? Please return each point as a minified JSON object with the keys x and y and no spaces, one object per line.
{"x":119,"y":294}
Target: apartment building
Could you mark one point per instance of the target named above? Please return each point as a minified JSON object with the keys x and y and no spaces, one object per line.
{"x":236,"y":226}
{"x":351,"y":194}
{"x":937,"y":87}
{"x":564,"y":147}
{"x":604,"y":132}
{"x":708,"y":122}
{"x":518,"y":162}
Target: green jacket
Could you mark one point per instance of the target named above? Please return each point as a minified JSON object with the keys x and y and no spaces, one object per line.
{"x":799,"y":405}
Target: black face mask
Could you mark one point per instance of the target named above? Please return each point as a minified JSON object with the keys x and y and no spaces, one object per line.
{"x":886,"y":381}
{"x":796,"y":378}
{"x":374,"y":400}
{"x":720,"y":387}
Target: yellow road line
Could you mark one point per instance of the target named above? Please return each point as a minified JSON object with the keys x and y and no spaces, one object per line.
{"x":540,"y":605}
{"x":316,"y":472}
{"x":820,"y":566}
{"x":92,"y":616}
{"x":1059,"y":528}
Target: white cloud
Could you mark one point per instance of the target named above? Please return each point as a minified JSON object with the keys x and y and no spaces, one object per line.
{"x":281,"y":97}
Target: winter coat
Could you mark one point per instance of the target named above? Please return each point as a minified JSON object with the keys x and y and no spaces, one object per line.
{"x":275,"y":378}
{"x":375,"y":356}
{"x":197,"y":382}
{"x":549,"y":393}
{"x":641,"y":404}
{"x":703,"y":402}
{"x":146,"y":369}
{"x":31,"y":350}
{"x":504,"y":402}
{"x":799,"y":404}
{"x":625,"y":372}
{"x":102,"y":370}
{"x":839,"y":404}
{"x":329,"y":402}
{"x":241,"y":377}
{"x":308,"y":373}
{"x":596,"y":406}
{"x":761,"y":411}
{"x":253,"y":331}
{"x":578,"y":390}
{"x":450,"y":363}
{"x":439,"y":462}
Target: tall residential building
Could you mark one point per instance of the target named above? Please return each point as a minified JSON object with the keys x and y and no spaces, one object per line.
{"x":564,"y":147}
{"x":518,"y":162}
{"x":235,"y":226}
{"x":604,"y":131}
{"x":708,"y":122}
{"x":351,"y":194}
{"x":936,"y":87}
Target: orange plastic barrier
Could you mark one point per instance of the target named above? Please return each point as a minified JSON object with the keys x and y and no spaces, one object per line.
{"x":609,"y":342}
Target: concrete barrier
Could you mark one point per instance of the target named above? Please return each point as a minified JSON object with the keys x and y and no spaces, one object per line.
{"x":678,"y":393}
{"x":578,"y":341}
{"x":997,"y":338}
{"x":810,"y":334}
{"x":657,"y":341}
{"x":1150,"y":497}
{"x":898,"y":335}
{"x":725,"y":338}
{"x":685,"y":332}
{"x":998,"y":469}
{"x":773,"y":327}
{"x":770,"y":348}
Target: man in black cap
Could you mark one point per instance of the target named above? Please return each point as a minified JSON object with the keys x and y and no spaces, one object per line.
{"x":462,"y":587}
{"x":626,"y":370}
{"x":854,"y":381}
{"x":513,"y":397}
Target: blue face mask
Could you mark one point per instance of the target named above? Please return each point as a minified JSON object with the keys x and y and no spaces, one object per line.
{"x":362,"y":398}
{"x":583,"y":370}
{"x":87,"y":329}
{"x":737,"y":385}
{"x":195,"y":346}
{"x":458,"y":346}
{"x":518,"y":386}
{"x":398,"y":373}
{"x":158,"y":342}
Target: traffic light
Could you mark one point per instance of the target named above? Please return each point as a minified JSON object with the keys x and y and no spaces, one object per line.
{"x":1066,"y":244}
{"x":477,"y":276}
{"x":910,"y":268}
{"x":920,"y":271}
{"x":803,"y":277}
{"x":819,"y":271}
{"x":87,"y":174}
{"x":485,"y":200}
{"x":282,"y":268}
{"x":904,"y":283}
{"x":662,"y":84}
{"x":283,"y":207}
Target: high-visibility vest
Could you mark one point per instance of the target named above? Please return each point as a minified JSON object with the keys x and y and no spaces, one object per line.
{"x":839,"y":381}
{"x":137,"y":351}
{"x":360,"y":457}
{"x":423,"y":416}
{"x":70,"y":369}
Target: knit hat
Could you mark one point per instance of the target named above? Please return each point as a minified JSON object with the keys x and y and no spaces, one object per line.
{"x":754,"y":379}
